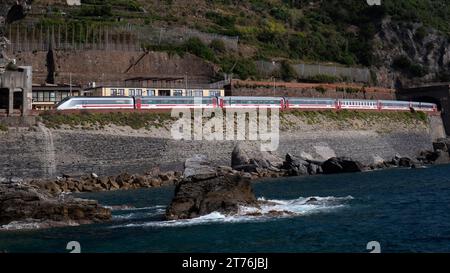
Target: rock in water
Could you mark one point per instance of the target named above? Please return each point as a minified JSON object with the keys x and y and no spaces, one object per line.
{"x":341,"y":165}
{"x":222,"y":194}
{"x":199,"y":168}
{"x":25,"y":203}
{"x":205,"y":190}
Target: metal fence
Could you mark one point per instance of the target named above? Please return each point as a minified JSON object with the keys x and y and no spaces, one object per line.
{"x":34,"y":37}
{"x":305,"y":71}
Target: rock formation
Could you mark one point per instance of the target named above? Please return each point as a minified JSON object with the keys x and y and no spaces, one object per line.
{"x":205,"y":191}
{"x":341,"y":165}
{"x":245,"y":159}
{"x":24,"y":203}
{"x":94,"y":183}
{"x":10,"y":11}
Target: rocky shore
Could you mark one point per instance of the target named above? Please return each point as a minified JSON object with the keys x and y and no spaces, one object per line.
{"x":26,"y":206}
{"x":201,"y":189}
{"x":205,"y":189}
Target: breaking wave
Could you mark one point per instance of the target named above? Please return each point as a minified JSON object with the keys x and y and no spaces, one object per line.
{"x":128,"y":213}
{"x":269,"y":210}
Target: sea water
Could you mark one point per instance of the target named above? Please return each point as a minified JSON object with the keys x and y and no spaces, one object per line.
{"x":404,"y":210}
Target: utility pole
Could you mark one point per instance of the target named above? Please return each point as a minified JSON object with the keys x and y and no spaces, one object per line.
{"x":70,"y":83}
{"x":185,"y":84}
{"x":273,"y":86}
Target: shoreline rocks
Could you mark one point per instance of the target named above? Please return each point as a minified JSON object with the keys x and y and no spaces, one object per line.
{"x":336,"y":165}
{"x":94,"y":183}
{"x":206,"y":189}
{"x":28,"y":206}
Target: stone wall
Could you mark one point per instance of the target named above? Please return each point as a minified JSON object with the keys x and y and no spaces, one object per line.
{"x":40,"y":152}
{"x":313,"y":90}
{"x":103,"y":66}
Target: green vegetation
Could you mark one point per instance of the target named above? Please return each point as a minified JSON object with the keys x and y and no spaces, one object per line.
{"x":3,"y":128}
{"x":404,"y":63}
{"x":316,"y":117}
{"x":287,"y":72}
{"x":339,"y":31}
{"x":98,"y":120}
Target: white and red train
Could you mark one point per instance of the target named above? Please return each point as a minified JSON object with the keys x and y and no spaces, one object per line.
{"x":283,"y":103}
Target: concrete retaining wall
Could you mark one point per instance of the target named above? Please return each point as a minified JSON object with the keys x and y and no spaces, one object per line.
{"x":26,"y":153}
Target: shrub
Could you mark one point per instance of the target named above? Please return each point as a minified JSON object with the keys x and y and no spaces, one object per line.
{"x":3,"y":127}
{"x":218,"y":46}
{"x":197,"y":47}
{"x":287,"y":72}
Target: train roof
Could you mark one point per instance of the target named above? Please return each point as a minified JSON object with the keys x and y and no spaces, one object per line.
{"x":253,"y":97}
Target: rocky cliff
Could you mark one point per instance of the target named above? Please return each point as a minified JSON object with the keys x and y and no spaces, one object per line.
{"x":410,"y":54}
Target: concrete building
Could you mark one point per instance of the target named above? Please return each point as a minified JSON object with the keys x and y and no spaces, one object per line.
{"x":15,"y":92}
{"x":157,"y":86}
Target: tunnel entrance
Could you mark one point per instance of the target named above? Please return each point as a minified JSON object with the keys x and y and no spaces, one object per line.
{"x":430,"y":100}
{"x":16,"y":13}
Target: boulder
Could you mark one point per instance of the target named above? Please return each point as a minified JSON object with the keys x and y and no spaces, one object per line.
{"x":341,"y":165}
{"x":239,"y":156}
{"x":405,"y":162}
{"x":199,"y":168}
{"x":295,"y":166}
{"x":441,"y":144}
{"x":124,"y":178}
{"x":243,"y":159}
{"x":314,"y":169}
{"x":222,"y":194}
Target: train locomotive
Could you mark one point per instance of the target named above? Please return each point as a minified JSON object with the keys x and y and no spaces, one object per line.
{"x":282,"y":103}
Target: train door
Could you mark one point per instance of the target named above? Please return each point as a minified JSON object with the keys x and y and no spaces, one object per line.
{"x":338,"y":104}
{"x":138,"y":103}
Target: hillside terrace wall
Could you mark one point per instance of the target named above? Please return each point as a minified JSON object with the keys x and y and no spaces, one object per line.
{"x":317,"y":90}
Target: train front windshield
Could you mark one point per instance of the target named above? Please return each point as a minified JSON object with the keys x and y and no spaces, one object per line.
{"x":62,"y":101}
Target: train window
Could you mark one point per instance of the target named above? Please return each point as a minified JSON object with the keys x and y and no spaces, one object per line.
{"x":150,"y":92}
{"x":132,"y":92}
{"x":178,"y":93}
{"x":121,"y":92}
{"x":198,"y":93}
{"x":138,"y":92}
{"x":113,"y":92}
{"x":214,"y":93}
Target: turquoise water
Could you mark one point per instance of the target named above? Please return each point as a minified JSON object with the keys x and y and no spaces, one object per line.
{"x":404,"y":210}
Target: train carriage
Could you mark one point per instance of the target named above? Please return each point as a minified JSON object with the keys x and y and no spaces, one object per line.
{"x":310,"y":103}
{"x":73,"y":103}
{"x":251,"y":102}
{"x":424,"y":106}
{"x":349,"y":104}
{"x":176,"y":102}
{"x":395,"y":105}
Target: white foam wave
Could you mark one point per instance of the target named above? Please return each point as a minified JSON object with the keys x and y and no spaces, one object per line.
{"x":130,"y":208}
{"x":134,"y":215}
{"x":270,"y":210}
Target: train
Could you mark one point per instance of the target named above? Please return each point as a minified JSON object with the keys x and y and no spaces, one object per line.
{"x":282,"y":103}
